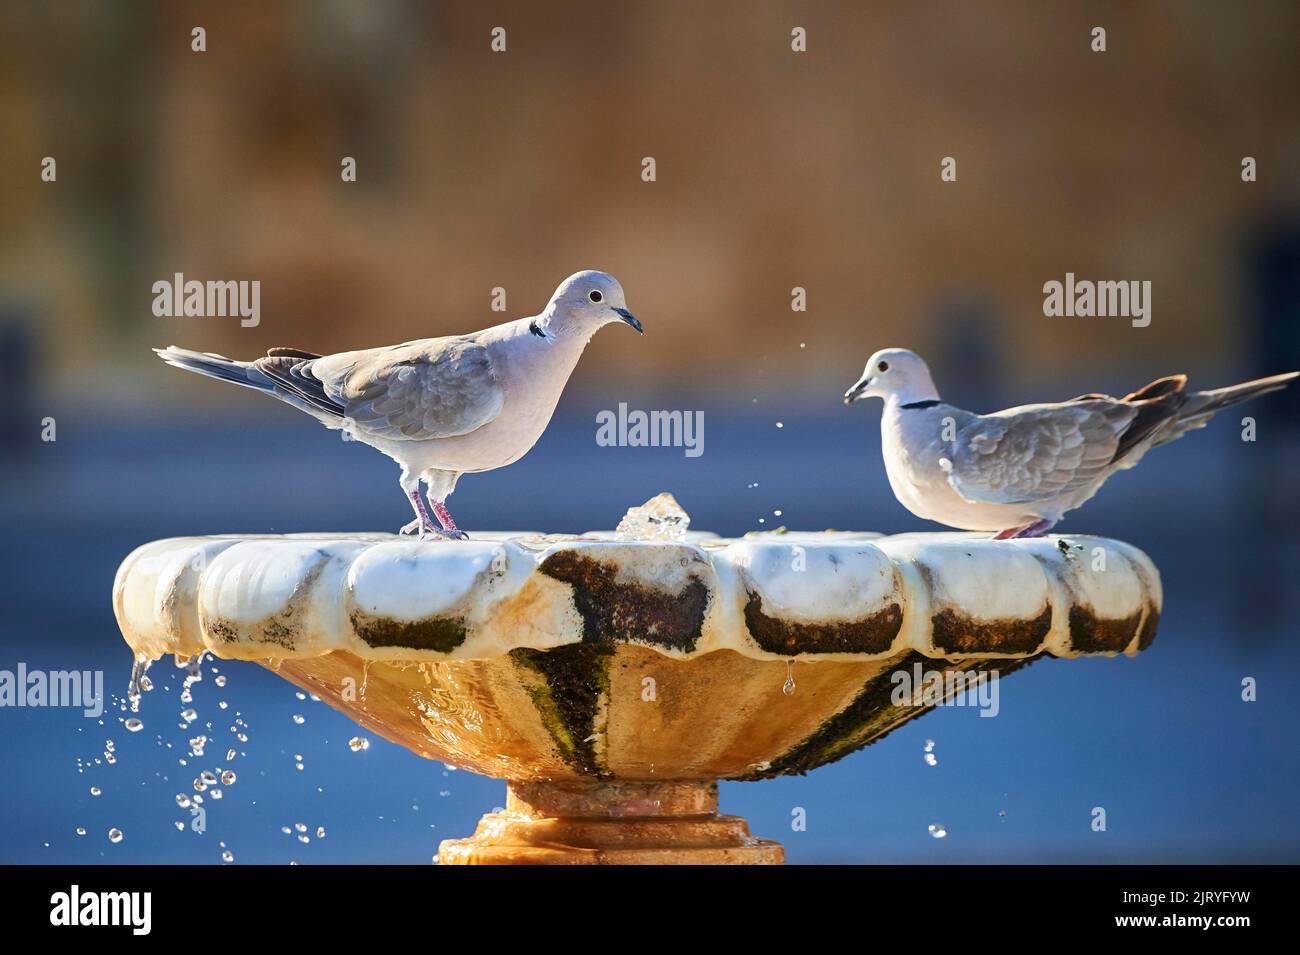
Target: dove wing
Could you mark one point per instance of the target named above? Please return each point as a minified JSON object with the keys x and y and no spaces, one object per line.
{"x":1036,"y":453}
{"x":438,"y":388}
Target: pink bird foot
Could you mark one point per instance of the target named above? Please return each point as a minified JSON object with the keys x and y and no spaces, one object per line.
{"x":1036,"y":529}
{"x":449,"y":527}
{"x":423,"y":523}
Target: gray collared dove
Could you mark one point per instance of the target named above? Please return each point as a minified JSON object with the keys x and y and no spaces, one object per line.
{"x":1018,"y":471}
{"x":439,"y":407}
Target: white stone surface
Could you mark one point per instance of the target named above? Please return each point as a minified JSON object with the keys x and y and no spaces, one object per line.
{"x":268,"y":597}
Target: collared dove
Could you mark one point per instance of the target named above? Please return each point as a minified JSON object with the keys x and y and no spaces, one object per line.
{"x":439,"y":407}
{"x":1018,"y":471}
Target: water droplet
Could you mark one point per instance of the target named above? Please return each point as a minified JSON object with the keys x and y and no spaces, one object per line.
{"x":81,"y":831}
{"x":320,"y":832}
{"x":183,"y":800}
{"x":299,"y":719}
{"x":189,"y":715}
{"x":228,"y":777}
{"x":95,"y":790}
{"x":780,"y":424}
{"x":133,"y":725}
{"x":227,"y":856}
{"x":115,"y":835}
{"x":358,"y":743}
{"x":938,"y":831}
{"x":133,"y":685}
{"x":220,"y":681}
{"x":930,"y":760}
{"x":788,"y":687}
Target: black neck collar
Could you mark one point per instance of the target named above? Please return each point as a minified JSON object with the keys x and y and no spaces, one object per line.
{"x":917,"y":405}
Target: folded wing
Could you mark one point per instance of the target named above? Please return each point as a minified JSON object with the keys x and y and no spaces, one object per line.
{"x":438,"y":388}
{"x":1039,"y":452}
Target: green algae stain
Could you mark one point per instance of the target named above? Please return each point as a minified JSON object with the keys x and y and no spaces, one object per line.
{"x":871,"y":716}
{"x":571,"y":702}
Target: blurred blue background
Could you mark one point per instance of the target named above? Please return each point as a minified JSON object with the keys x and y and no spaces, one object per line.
{"x":1186,"y":771}
{"x":776,"y":170}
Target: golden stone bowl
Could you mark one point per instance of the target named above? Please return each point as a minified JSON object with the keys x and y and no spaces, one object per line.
{"x":612,"y":683}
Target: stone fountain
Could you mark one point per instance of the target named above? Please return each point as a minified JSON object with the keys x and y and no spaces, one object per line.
{"x":612,"y":682}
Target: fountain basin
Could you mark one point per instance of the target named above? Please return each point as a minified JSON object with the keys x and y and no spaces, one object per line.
{"x":611,"y":683}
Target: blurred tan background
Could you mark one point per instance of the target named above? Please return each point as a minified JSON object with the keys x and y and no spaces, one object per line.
{"x":478,"y":170}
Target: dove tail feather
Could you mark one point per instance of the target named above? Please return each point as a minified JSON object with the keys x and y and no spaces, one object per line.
{"x":216,"y":366}
{"x":1208,"y":402}
{"x":1168,"y":411}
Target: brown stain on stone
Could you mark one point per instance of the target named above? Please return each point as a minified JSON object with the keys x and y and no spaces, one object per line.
{"x":443,"y":634}
{"x":616,"y":611}
{"x":1092,"y":634}
{"x":280,"y":629}
{"x":958,"y":633}
{"x":872,"y":634}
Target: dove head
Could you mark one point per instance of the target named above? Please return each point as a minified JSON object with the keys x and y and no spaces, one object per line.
{"x":585,"y":302}
{"x":894,"y":373}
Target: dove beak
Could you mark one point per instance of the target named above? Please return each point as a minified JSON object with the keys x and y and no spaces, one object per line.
{"x":857,"y":391}
{"x":629,"y":318}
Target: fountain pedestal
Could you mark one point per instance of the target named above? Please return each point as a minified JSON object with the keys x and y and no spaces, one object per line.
{"x":613,"y":683}
{"x":611,"y":823}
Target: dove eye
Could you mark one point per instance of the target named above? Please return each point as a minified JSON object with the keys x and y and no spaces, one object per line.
{"x":595,"y":295}
{"x":883,"y":366}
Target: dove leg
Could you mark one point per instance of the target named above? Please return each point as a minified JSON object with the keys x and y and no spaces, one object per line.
{"x":441,"y":484}
{"x":444,"y":518}
{"x":422,"y":524}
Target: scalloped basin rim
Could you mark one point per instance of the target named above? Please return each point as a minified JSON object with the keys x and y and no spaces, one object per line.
{"x":843,"y":596}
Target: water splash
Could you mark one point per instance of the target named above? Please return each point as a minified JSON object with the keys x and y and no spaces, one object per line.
{"x":659,"y":519}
